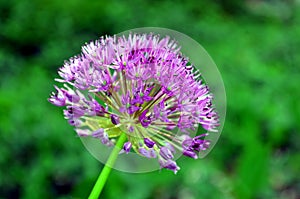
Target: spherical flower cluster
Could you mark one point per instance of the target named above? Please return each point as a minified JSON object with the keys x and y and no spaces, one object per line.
{"x":140,"y":85}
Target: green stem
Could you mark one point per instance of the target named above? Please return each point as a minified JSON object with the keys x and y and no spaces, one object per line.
{"x":107,"y":168}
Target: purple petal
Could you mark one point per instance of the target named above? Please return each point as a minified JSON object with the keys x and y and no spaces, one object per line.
{"x":147,"y":153}
{"x":187,"y":143}
{"x":169,"y":164}
{"x":144,"y":120}
{"x":203,"y":146}
{"x":83,"y":132}
{"x":130,"y":129}
{"x":144,"y":152}
{"x":170,"y":147}
{"x":58,"y":98}
{"x":104,"y":139}
{"x":122,"y":109}
{"x":190,"y":153}
{"x":75,"y":111}
{"x":147,"y":98}
{"x":148,"y":142}
{"x":132,"y":109}
{"x":98,"y":133}
{"x":127,"y":146}
{"x":75,"y":122}
{"x":165,"y":153}
{"x":152,"y":153}
{"x":71,"y":97}
{"x":114,"y":119}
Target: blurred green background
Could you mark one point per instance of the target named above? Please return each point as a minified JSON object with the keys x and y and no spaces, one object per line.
{"x":254,"y":43}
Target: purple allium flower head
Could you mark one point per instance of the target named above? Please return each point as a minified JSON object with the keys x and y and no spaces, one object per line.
{"x":140,"y":85}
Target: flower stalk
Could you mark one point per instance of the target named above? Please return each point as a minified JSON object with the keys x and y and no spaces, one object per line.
{"x":101,"y":181}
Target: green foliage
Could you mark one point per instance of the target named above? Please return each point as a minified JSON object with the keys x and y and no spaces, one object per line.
{"x":256,"y":52}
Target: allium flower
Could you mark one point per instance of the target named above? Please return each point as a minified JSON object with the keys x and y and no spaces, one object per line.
{"x":140,"y":85}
